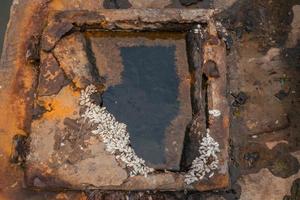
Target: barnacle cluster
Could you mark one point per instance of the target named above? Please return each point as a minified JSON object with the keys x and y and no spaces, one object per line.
{"x":113,"y":133}
{"x":215,"y":112}
{"x":206,"y":163}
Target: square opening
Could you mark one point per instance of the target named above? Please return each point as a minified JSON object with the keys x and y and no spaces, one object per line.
{"x":147,"y":87}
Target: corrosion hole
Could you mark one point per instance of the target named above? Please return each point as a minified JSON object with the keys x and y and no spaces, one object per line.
{"x":20,"y":148}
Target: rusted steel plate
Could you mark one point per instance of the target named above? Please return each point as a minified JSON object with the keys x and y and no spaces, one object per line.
{"x":59,"y":170}
{"x":16,"y":80}
{"x":72,"y":54}
{"x":61,"y":114}
{"x":133,"y":19}
{"x":214,"y":50}
{"x":51,"y":76}
{"x":198,"y":124}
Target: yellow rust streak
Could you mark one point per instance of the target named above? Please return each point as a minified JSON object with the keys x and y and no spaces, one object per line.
{"x":24,"y":23}
{"x":57,"y":5}
{"x":12,"y":106}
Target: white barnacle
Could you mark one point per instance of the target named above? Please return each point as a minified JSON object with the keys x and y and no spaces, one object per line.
{"x":215,"y":112}
{"x":206,"y":163}
{"x":114,"y":134}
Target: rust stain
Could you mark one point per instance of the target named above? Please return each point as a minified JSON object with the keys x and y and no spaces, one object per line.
{"x":220,"y":181}
{"x":61,"y":105}
{"x":22,"y":96}
{"x":76,"y":4}
{"x":162,"y":35}
{"x":57,"y":5}
{"x":226,"y":121}
{"x":16,"y":97}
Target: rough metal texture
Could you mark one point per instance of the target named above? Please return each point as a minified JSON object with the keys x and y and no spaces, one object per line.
{"x":63,"y":152}
{"x":25,"y":76}
{"x":51,"y":77}
{"x":17,"y":80}
{"x":217,"y":100}
{"x":195,"y":59}
{"x":160,"y":180}
{"x":255,"y":23}
{"x":71,"y":53}
{"x":133,"y":19}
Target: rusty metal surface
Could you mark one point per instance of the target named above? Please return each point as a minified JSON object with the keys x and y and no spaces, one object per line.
{"x":24,"y":78}
{"x":133,"y":19}
{"x":167,"y":180}
{"x":51,"y":76}
{"x":217,"y":91}
{"x":195,"y":58}
{"x":17,"y":78}
{"x":71,"y":53}
{"x":264,"y":130}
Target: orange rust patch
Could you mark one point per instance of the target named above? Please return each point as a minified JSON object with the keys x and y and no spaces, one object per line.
{"x":76,"y":4}
{"x":15,"y":97}
{"x":226,"y":121}
{"x":61,"y":105}
{"x":57,"y":5}
{"x":23,"y":95}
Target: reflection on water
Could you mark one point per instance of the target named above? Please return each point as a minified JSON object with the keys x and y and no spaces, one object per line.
{"x":4,"y":16}
{"x":146,"y":100}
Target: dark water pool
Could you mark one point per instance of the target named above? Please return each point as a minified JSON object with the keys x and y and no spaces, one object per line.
{"x":146,"y":100}
{"x":4,"y":16}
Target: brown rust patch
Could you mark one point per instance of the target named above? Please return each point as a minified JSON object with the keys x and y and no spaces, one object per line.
{"x":221,"y":181}
{"x":217,"y":100}
{"x":54,"y":31}
{"x":211,"y":70}
{"x":16,"y":102}
{"x":132,"y":19}
{"x":33,"y":50}
{"x":72,"y":54}
{"x":76,"y":5}
{"x":51,"y":76}
{"x":39,"y":178}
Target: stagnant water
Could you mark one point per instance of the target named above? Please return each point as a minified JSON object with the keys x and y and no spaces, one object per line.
{"x":146,"y":100}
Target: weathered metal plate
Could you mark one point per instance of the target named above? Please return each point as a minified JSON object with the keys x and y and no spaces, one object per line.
{"x":73,"y":165}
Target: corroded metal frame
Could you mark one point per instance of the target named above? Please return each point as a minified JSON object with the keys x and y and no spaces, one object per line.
{"x":203,"y":47}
